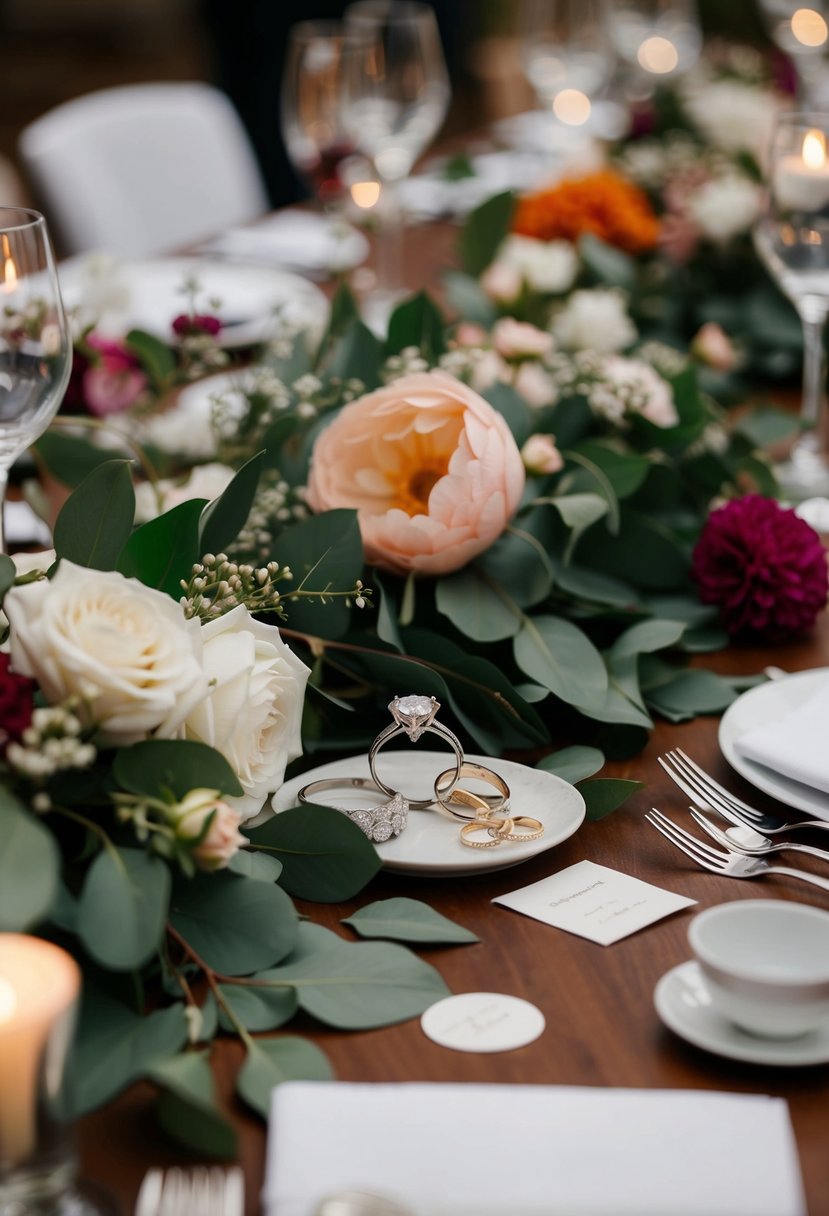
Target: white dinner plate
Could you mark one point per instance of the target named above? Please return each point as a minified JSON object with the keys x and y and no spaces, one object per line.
{"x":118,"y":296}
{"x":683,"y":1004}
{"x":431,"y":844}
{"x":767,"y":703}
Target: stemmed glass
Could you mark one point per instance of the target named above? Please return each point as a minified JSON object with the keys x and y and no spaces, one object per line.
{"x":656,"y":38}
{"x":35,"y":344}
{"x":566,"y":58}
{"x":396,"y":98}
{"x":792,"y":239}
{"x":802,"y":33}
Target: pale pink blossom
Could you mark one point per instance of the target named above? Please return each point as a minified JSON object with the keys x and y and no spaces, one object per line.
{"x":713,"y":346}
{"x":502,"y":282}
{"x":541,"y":456}
{"x":530,"y":378}
{"x":222,"y":839}
{"x":518,"y":340}
{"x":644,"y":391}
{"x":431,"y":468}
{"x":115,"y":381}
{"x":468,"y":334}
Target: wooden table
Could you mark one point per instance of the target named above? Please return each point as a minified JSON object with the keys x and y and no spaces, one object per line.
{"x":598,"y":1001}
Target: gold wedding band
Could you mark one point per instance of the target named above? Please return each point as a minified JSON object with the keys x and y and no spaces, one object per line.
{"x":447,"y":791}
{"x":496,"y":829}
{"x":535,"y":828}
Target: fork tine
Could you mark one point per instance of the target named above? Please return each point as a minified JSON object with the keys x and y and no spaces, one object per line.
{"x":711,"y":828}
{"x":697,"y":788}
{"x":234,"y":1203}
{"x":149,"y":1196}
{"x":697,"y":849}
{"x":735,"y":803}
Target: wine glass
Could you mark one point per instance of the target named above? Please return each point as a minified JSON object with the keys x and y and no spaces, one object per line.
{"x":396,"y":98}
{"x":566,"y":58}
{"x":802,"y":33}
{"x":35,"y":344}
{"x":792,"y":239}
{"x":656,"y":38}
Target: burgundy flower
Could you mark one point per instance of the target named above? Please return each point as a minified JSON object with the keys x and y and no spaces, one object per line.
{"x":188,"y":325}
{"x":115,"y":380}
{"x":16,"y":703}
{"x":764,"y":567}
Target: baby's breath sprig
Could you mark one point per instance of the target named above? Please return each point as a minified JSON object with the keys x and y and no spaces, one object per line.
{"x":55,"y":740}
{"x":217,"y":584}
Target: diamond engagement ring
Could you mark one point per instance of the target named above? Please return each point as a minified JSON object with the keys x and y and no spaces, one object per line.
{"x":413,"y":716}
{"x":379,"y":823}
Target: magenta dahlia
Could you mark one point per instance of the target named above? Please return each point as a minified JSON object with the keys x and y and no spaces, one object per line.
{"x":763,"y":566}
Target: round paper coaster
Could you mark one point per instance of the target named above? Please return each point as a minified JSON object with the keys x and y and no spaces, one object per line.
{"x":482,"y":1021}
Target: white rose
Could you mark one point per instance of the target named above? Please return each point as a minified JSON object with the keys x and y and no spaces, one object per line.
{"x":253,"y":713}
{"x":733,"y":115}
{"x":725,"y":207}
{"x":25,"y":563}
{"x":595,"y":320}
{"x":222,"y":840}
{"x":205,"y":481}
{"x":124,"y":649}
{"x":518,"y":340}
{"x":548,"y":266}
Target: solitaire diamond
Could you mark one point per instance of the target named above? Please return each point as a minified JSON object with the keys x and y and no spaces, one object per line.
{"x":414,"y":714}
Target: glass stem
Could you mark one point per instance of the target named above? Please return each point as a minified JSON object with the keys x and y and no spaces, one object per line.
{"x":814,"y":369}
{"x":4,"y":481}
{"x":389,"y":242}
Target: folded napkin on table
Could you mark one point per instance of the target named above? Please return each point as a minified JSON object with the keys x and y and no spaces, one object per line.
{"x":301,"y":240}
{"x":795,"y":743}
{"x":543,"y":1150}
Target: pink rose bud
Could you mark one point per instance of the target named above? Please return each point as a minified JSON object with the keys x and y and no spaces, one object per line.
{"x":517,"y":340}
{"x":430,"y":467}
{"x":713,"y":347}
{"x":222,"y":839}
{"x":502,"y":282}
{"x":541,"y":456}
{"x":469,"y":334}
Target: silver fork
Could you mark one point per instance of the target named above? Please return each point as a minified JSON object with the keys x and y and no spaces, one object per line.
{"x":729,"y":863}
{"x":200,"y":1191}
{"x":703,"y":789}
{"x":752,"y":842}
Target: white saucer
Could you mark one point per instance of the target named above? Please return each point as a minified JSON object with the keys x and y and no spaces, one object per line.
{"x":431,"y":842}
{"x":762,"y":705}
{"x":683,"y":1004}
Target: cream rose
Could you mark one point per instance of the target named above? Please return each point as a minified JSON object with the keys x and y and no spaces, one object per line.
{"x":519,"y":340}
{"x":222,"y":838}
{"x":253,"y":711}
{"x":431,"y":468}
{"x":125,"y":650}
{"x":595,"y":320}
{"x":541,"y":456}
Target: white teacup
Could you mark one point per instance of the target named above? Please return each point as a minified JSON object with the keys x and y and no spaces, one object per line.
{"x":765,"y":964}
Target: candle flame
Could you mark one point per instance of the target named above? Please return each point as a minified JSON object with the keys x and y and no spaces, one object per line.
{"x":809,"y":27}
{"x":8,"y":1001}
{"x":9,"y":268}
{"x":571,"y":106}
{"x":365,"y":194}
{"x":814,"y":149}
{"x":658,"y":55}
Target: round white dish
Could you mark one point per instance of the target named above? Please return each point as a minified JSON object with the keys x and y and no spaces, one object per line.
{"x":683,"y":1004}
{"x":431,"y":843}
{"x":118,"y":296}
{"x":761,"y":705}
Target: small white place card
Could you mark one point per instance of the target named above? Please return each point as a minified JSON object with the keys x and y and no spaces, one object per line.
{"x":595,"y":902}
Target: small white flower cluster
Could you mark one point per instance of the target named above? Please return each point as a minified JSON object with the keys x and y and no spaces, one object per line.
{"x":667,"y":360}
{"x":51,"y":743}
{"x":651,"y":162}
{"x":275,"y":501}
{"x":461,"y":361}
{"x":201,"y":355}
{"x":217,"y":584}
{"x":409,"y":361}
{"x":614,"y":387}
{"x":282,"y":342}
{"x":352,"y":389}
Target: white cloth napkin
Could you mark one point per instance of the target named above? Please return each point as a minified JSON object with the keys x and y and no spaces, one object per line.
{"x":512,"y":1150}
{"x":796,"y":743}
{"x":301,"y":240}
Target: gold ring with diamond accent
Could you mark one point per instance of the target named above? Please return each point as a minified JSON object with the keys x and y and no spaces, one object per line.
{"x":379,"y":823}
{"x":496,"y":829}
{"x":414,"y":716}
{"x":535,"y":828}
{"x":448,"y":791}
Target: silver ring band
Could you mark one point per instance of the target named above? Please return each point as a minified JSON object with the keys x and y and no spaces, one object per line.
{"x":448,"y":791}
{"x":379,"y":823}
{"x":414,"y":716}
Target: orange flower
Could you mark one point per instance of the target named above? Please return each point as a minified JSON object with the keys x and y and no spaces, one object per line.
{"x":603,"y":204}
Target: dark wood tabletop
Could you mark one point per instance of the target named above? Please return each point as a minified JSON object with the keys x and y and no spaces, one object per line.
{"x":602,"y":1029}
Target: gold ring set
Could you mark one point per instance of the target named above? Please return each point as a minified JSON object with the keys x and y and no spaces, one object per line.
{"x":486,"y":818}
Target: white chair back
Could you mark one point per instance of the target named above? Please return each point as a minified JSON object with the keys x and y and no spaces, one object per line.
{"x":142,"y":169}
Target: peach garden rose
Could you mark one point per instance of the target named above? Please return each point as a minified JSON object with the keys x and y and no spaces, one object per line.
{"x":431,"y":468}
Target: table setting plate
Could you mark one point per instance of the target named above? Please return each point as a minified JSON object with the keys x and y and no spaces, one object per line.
{"x":149,"y":295}
{"x":684,"y":1006}
{"x":763,"y":705}
{"x":430,"y":844}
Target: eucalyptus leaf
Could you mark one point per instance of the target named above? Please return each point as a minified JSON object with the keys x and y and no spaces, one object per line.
{"x":417,"y":322}
{"x":325,"y":553}
{"x":123,"y":907}
{"x":259,"y":866}
{"x":518,"y":561}
{"x":162,"y":552}
{"x":357,"y":985}
{"x":579,"y":512}
{"x":465,"y":297}
{"x":154,"y":766}
{"x":605,"y":795}
{"x":269,"y":1062}
{"x":8,"y":573}
{"x":691,"y":692}
{"x":476,"y":606}
{"x":29,"y":866}
{"x":644,"y":552}
{"x":388,"y":629}
{"x":557,"y":654}
{"x":609,"y":265}
{"x":223,"y":519}
{"x":257,"y":1008}
{"x":70,"y":459}
{"x":235,"y":924}
{"x":625,"y":471}
{"x":408,"y":920}
{"x":114,"y":1046}
{"x":485,"y":229}
{"x":156,"y":357}
{"x":187,"y":1109}
{"x":573,"y":763}
{"x":97,"y":518}
{"x":325,"y":856}
{"x":356,"y":355}
{"x":513,"y":408}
